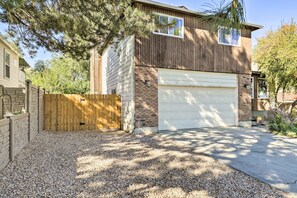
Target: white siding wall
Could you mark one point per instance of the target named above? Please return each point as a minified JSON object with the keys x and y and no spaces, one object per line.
{"x":118,"y":73}
{"x":13,"y":81}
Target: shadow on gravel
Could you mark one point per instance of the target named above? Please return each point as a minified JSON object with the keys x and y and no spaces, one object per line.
{"x":123,"y":165}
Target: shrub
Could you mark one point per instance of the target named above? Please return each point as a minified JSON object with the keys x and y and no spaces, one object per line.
{"x":283,"y":124}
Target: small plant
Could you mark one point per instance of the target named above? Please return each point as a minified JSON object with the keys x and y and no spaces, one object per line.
{"x":283,"y":124}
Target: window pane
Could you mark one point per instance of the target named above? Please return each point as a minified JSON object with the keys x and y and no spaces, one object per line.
{"x":164,"y":21}
{"x":178,"y":27}
{"x":229,"y":36}
{"x":235,"y":37}
{"x":7,"y":70}
{"x":7,"y":59}
{"x":171,"y":25}
{"x":252,"y":87}
{"x":262,"y":89}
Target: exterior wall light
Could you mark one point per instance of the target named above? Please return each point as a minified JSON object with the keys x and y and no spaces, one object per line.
{"x":247,"y":86}
{"x":147,"y":83}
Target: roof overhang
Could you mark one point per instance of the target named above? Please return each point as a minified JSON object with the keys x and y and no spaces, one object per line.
{"x":9,"y":46}
{"x":23,"y":64}
{"x":182,"y":9}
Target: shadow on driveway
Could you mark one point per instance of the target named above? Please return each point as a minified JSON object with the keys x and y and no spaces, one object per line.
{"x":254,"y":151}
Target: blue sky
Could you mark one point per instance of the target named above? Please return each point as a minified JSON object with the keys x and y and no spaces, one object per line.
{"x":268,"y":13}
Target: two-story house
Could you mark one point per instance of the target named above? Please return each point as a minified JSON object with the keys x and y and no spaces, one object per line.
{"x":12,"y":66}
{"x":185,"y":76}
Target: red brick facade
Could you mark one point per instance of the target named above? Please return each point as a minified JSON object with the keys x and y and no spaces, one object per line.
{"x":146,"y":97}
{"x":244,"y":98}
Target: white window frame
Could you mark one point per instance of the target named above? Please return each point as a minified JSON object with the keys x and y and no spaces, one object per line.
{"x":179,"y":18}
{"x":5,"y":65}
{"x":253,"y":87}
{"x":239,"y":42}
{"x":267,"y":94}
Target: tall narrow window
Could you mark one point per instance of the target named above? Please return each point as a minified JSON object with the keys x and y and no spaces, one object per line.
{"x":229,"y":36}
{"x":262,"y":89}
{"x":171,"y":26}
{"x":253,"y":87}
{"x":6,"y":69}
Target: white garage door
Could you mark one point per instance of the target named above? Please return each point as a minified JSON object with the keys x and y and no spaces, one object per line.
{"x":196,"y":99}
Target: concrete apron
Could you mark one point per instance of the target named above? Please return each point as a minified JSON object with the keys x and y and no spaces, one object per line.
{"x":254,"y":151}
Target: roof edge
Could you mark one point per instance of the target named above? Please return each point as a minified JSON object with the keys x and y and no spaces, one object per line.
{"x":181,"y":9}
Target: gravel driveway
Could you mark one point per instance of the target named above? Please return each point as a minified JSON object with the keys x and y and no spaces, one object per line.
{"x":89,"y":164}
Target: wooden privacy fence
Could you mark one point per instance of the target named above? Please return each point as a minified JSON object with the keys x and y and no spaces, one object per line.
{"x":81,"y":112}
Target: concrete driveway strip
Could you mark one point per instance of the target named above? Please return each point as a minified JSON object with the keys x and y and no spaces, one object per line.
{"x":254,"y":151}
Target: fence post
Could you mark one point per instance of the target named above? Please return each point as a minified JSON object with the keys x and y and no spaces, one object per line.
{"x":28,"y":105}
{"x":38,"y":109}
{"x":11,"y":138}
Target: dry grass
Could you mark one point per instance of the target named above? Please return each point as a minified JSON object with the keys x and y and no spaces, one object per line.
{"x":89,"y":164}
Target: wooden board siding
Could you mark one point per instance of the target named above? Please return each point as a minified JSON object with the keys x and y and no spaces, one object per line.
{"x":198,"y":50}
{"x":95,"y":72}
{"x":81,"y":112}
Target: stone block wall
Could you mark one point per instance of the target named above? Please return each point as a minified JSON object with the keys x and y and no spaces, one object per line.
{"x":40,"y":109}
{"x":17,"y":131}
{"x":20,"y":132}
{"x":34,"y":111}
{"x":4,"y":143}
{"x":17,"y":96}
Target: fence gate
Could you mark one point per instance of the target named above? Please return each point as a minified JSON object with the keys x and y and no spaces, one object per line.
{"x":81,"y":112}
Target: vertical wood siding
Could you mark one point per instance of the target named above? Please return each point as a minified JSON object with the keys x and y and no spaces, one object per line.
{"x":198,"y":50}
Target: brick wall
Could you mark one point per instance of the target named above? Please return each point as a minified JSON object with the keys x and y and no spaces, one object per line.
{"x":4,"y":143}
{"x":17,"y":96}
{"x":146,"y":97}
{"x":244,"y":98}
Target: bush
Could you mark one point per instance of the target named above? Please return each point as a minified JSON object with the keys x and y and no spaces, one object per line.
{"x":282,"y":124}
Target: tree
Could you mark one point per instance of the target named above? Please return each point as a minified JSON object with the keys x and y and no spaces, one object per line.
{"x":276,"y":55}
{"x":230,"y":14}
{"x":62,"y":75}
{"x":73,"y":26}
{"x":39,"y":66}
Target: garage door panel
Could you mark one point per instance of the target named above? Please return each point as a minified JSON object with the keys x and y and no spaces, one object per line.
{"x":197,"y":108}
{"x":192,"y":107}
{"x":186,"y":124}
{"x":197,"y":115}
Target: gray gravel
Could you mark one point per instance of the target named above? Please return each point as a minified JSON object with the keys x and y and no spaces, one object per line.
{"x":90,"y":164}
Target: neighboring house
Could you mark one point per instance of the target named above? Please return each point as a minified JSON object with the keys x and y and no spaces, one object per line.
{"x":12,"y":66}
{"x":260,"y":94}
{"x":181,"y":77}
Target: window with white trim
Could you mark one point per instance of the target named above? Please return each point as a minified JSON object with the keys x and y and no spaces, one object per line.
{"x":253,"y":87}
{"x":6,"y":65}
{"x":229,"y":36}
{"x":171,"y":25}
{"x":262,"y":88}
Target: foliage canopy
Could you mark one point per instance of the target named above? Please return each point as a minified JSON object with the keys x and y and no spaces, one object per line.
{"x":276,"y":55}
{"x":73,"y":26}
{"x":61,"y":75}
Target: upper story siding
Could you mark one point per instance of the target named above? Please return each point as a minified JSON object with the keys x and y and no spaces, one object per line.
{"x":13,"y":81}
{"x":198,"y":50}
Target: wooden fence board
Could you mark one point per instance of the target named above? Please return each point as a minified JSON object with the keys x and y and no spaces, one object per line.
{"x":81,"y":112}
